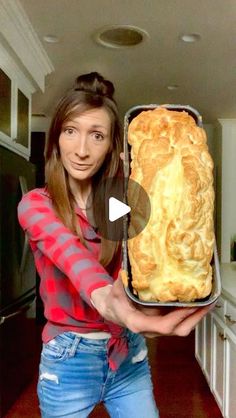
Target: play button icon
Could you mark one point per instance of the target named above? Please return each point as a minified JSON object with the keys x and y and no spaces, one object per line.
{"x":121,"y":208}
{"x":117,"y":209}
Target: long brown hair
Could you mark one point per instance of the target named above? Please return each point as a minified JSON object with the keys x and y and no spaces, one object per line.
{"x":90,"y":91}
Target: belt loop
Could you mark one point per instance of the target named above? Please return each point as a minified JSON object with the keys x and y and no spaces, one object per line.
{"x":73,"y":347}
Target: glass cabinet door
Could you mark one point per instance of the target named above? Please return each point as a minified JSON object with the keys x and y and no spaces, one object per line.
{"x":5,"y":103}
{"x":22,"y":136}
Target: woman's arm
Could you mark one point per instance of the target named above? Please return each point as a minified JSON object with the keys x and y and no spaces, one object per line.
{"x":49,"y":236}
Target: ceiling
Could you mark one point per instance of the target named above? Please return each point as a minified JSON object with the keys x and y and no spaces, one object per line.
{"x":204,"y":71}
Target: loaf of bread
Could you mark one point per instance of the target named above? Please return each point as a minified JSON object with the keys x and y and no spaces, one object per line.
{"x":170,"y":259}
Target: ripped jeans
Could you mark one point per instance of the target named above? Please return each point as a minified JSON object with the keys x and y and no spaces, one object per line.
{"x":74,"y":376}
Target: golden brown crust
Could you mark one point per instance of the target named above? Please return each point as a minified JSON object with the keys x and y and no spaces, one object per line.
{"x":170,"y":258}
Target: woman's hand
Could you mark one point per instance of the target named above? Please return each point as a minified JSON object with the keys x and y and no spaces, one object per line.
{"x":113,"y":305}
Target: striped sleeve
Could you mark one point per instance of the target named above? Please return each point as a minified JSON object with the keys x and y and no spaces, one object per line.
{"x":64,"y":249}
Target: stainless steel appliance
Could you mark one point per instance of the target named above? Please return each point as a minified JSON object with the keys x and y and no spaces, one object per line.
{"x":18,"y":337}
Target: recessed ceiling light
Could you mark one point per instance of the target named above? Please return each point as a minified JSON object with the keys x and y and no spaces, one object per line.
{"x":51,"y":39}
{"x":173,"y":87}
{"x":120,"y":36}
{"x":191,"y":37}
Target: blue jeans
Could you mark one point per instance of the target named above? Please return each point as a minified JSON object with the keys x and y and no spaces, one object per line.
{"x":74,"y":376}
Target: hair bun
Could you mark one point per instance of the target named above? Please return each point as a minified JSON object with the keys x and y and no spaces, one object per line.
{"x":94,"y":83}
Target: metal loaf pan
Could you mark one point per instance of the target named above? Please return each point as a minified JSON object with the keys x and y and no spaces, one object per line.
{"x":216,"y":283}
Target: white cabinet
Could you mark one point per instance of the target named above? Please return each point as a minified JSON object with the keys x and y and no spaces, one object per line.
{"x":215,"y":350}
{"x":230,"y":375}
{"x":218,"y":360}
{"x":199,"y":343}
{"x":15,"y":106}
{"x":203,"y":337}
{"x":208,"y":352}
{"x":24,"y":65}
{"x":230,"y":361}
{"x":203,"y":340}
{"x":203,"y":346}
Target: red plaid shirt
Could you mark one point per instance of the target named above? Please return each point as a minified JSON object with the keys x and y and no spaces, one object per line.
{"x":69,"y":272}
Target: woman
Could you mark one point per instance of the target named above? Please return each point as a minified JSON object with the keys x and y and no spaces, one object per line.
{"x":93,"y":350}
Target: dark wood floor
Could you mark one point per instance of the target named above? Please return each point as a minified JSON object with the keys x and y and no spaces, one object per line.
{"x":180,"y":388}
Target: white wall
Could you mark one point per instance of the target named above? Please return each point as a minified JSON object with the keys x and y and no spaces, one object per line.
{"x":210,"y":138}
{"x":226,"y":185}
{"x":40,"y":123}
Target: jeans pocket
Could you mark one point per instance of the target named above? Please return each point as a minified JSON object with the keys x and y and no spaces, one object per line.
{"x":54,"y":351}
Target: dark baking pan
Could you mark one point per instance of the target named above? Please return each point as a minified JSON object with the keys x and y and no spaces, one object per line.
{"x":215,"y":293}
{"x":216,"y":283}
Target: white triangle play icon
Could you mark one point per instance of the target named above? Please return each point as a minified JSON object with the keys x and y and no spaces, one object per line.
{"x":117,"y":209}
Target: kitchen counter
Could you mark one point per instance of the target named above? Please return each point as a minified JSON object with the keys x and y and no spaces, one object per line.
{"x":228,"y":280}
